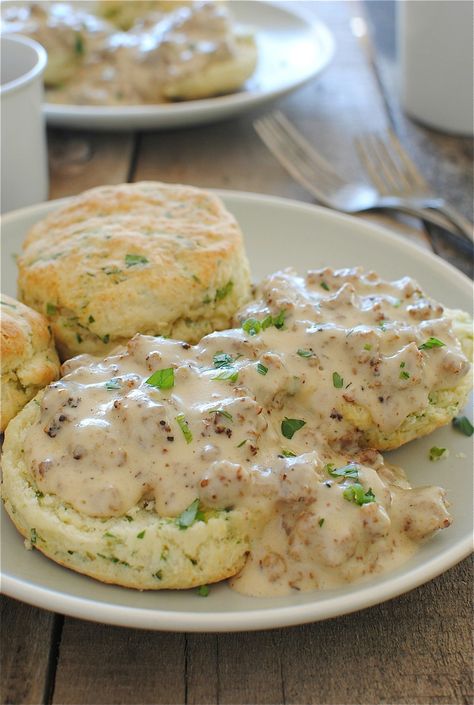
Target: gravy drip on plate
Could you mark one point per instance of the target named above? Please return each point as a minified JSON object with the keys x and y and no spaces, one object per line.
{"x":253,"y":418}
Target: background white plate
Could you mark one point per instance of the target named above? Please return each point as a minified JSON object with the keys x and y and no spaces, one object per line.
{"x":278,"y":233}
{"x":291,"y":51}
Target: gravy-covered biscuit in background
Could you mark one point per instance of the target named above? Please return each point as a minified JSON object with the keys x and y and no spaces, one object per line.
{"x":154,"y":258}
{"x":29,"y":359}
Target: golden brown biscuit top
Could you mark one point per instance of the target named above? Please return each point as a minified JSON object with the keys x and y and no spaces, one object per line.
{"x":23,"y":331}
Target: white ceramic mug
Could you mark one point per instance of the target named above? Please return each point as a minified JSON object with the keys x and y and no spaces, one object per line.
{"x":436,"y":62}
{"x":24,"y":165}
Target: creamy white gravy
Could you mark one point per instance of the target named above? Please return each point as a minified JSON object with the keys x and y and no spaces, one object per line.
{"x":255,"y":419}
{"x":91,"y":63}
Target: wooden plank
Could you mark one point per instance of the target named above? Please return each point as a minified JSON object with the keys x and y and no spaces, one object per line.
{"x":105,"y":664}
{"x":29,"y":642}
{"x":81,"y":160}
{"x":410,"y":650}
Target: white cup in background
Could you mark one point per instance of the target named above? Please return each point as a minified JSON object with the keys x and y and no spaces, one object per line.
{"x":24,"y":165}
{"x":435,"y":45}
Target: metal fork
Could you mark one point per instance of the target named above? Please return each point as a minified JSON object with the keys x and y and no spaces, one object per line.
{"x":313,"y":172}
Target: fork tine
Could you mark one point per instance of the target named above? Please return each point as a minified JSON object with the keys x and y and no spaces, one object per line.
{"x":292,"y":151}
{"x":369,"y":159}
{"x":297,"y":171}
{"x":383,"y":166}
{"x":412,"y":174}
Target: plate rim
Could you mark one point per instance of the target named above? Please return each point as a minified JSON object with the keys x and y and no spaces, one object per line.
{"x":160,"y":115}
{"x":362,"y":596}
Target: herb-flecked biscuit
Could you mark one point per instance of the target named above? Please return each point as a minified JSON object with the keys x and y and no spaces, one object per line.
{"x":29,"y":359}
{"x":155,"y":258}
{"x":139,"y":550}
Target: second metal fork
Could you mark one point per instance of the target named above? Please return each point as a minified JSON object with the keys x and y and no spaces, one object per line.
{"x":315,"y":173}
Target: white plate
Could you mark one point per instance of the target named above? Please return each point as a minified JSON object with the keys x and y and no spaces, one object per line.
{"x":278,"y":233}
{"x":291,"y":51}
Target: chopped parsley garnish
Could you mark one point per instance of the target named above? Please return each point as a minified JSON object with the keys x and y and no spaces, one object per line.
{"x":224,"y":291}
{"x":33,"y":536}
{"x":189,"y":516}
{"x":252,"y":326}
{"x":304,"y":353}
{"x":355,"y":493}
{"x":222,"y":359}
{"x":337,"y":380}
{"x":404,"y":374}
{"x":261,"y":369}
{"x":324,"y":286}
{"x":288,"y":453}
{"x":431,"y":343}
{"x":51,"y":309}
{"x":321,"y":522}
{"x":367,"y":346}
{"x":228,"y":373}
{"x":79,"y":47}
{"x":132,"y":260}
{"x":350,"y":470}
{"x":222,"y":413}
{"x":79,"y":338}
{"x":91,"y":319}
{"x":436,"y":453}
{"x":242,"y":443}
{"x":290,"y":426}
{"x":141,"y":534}
{"x":183,"y":424}
{"x":203,"y":590}
{"x":112,"y":384}
{"x":162,"y":379}
{"x":462,"y":423}
{"x":106,"y":338}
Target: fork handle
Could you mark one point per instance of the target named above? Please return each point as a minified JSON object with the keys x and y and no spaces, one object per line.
{"x":433,"y":211}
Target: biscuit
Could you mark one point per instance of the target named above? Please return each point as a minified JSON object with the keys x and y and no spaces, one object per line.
{"x":139,"y":550}
{"x":29,"y":359}
{"x":155,"y":258}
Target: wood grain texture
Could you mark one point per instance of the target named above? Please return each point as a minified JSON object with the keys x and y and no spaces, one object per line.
{"x":28,"y":650}
{"x":81,"y":160}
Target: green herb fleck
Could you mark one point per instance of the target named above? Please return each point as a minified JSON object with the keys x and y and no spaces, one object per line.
{"x":321,"y":522}
{"x":228,"y":373}
{"x":79,"y":47}
{"x":222,"y":413}
{"x":350,"y":470}
{"x":91,"y":319}
{"x":79,"y":338}
{"x":242,"y":443}
{"x":267,"y":322}
{"x":304,"y":353}
{"x":141,"y":534}
{"x":39,"y":494}
{"x":224,"y":291}
{"x":337,"y":380}
{"x":203,"y":591}
{"x":261,"y":369}
{"x":128,"y":518}
{"x":431,"y":343}
{"x":436,"y":453}
{"x":279,"y":321}
{"x":158,"y":575}
{"x":404,"y":374}
{"x":324,"y":286}
{"x":132,"y":260}
{"x":33,"y":536}
{"x":252,"y":326}
{"x":290,"y":426}
{"x":106,"y":338}
{"x":183,"y":424}
{"x":462,"y":423}
{"x":355,"y":493}
{"x":188,"y":517}
{"x":222,"y":359}
{"x":367,"y":346}
{"x":110,"y":535}
{"x":288,"y":453}
{"x":162,"y":379}
{"x":51,"y":309}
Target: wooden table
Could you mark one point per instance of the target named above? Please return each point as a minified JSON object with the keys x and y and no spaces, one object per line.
{"x":414,"y":649}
